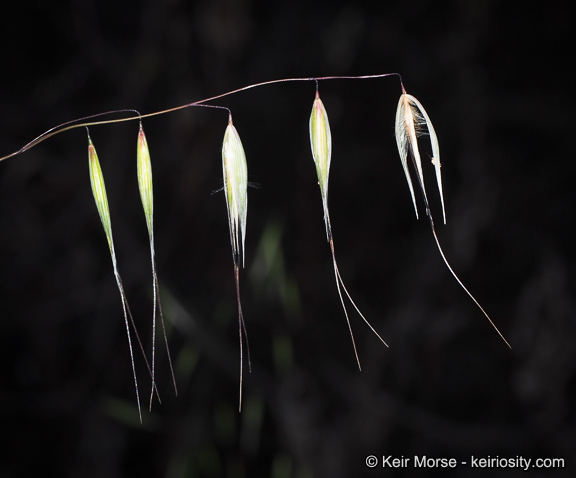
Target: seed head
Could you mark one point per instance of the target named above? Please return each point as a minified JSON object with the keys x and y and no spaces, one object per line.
{"x":411,"y":117}
{"x":321,"y":143}
{"x":144,"y":169}
{"x":235,"y":174}
{"x":99,"y":192}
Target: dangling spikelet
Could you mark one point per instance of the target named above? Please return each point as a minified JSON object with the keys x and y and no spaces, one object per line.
{"x":144,"y":169}
{"x":411,"y":117}
{"x":99,"y":192}
{"x":235,"y":188}
{"x":321,"y":144}
{"x":235,"y":174}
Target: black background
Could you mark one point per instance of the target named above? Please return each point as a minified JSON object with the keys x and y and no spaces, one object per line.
{"x":496,"y":79}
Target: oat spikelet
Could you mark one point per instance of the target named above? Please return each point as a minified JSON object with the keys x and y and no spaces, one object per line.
{"x":99,"y":192}
{"x":235,"y":173}
{"x":321,"y":144}
{"x":411,"y":118}
{"x":144,"y":170}
{"x":235,"y":188}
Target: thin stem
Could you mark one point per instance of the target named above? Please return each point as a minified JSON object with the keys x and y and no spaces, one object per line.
{"x":81,"y":122}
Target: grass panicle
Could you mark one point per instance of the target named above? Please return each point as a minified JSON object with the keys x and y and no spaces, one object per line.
{"x":411,"y":119}
{"x":321,"y":145}
{"x":99,"y":192}
{"x":235,"y":173}
{"x":144,"y":170}
{"x":411,"y":122}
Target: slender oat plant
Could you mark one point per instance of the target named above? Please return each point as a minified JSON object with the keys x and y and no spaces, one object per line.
{"x":144,"y":170}
{"x":411,"y":118}
{"x":235,"y":173}
{"x":321,"y":143}
{"x":412,"y":121}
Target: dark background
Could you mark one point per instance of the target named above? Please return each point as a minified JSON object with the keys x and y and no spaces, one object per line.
{"x":497,"y":81}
